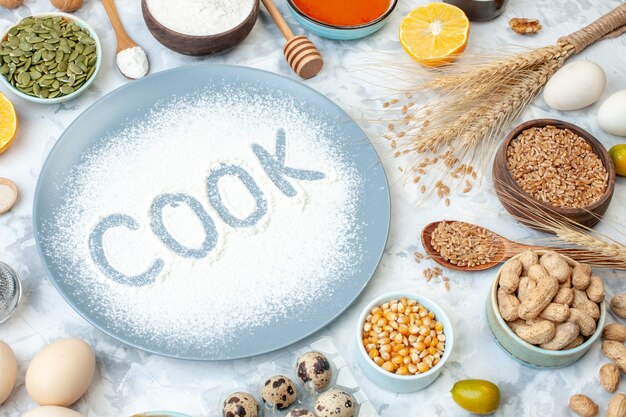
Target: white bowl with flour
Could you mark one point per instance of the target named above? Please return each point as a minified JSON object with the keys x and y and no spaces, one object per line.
{"x":201,"y":27}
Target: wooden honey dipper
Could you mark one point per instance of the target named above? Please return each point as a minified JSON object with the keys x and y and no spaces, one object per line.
{"x":301,"y":54}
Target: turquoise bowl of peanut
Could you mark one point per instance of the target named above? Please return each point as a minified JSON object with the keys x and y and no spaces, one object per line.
{"x":546,"y":310}
{"x":49,"y":58}
{"x":403,"y":341}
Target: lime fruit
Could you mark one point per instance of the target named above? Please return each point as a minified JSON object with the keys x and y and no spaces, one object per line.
{"x":477,"y":396}
{"x":618,"y":154}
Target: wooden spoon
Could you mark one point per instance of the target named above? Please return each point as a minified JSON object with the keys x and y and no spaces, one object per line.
{"x":301,"y":54}
{"x":124,"y":41}
{"x":506,"y":249}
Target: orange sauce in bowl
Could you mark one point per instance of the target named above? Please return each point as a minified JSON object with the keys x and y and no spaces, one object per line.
{"x":343,"y":12}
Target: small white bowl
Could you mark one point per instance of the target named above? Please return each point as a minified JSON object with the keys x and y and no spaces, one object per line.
{"x":80,"y":22}
{"x":403,"y":383}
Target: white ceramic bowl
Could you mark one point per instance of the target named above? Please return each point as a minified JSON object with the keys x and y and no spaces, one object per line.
{"x":80,"y":22}
{"x":403,"y":383}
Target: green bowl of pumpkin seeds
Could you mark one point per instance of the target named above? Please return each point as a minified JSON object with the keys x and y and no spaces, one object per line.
{"x":49,"y":58}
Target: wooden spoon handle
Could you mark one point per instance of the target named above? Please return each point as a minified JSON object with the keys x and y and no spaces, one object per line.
{"x":278,"y":19}
{"x":123,"y":40}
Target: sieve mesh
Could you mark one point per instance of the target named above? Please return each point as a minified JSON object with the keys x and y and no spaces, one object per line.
{"x":9,"y":291}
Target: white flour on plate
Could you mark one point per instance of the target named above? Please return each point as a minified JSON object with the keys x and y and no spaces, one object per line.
{"x":294,"y":256}
{"x":200,"y":17}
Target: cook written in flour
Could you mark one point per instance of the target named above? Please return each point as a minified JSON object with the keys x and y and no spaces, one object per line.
{"x":276,"y":170}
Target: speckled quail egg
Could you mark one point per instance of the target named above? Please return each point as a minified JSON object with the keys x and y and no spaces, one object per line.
{"x":240,"y":404}
{"x":314,"y":367}
{"x":335,"y":403}
{"x":300,"y":412}
{"x":279,"y":391}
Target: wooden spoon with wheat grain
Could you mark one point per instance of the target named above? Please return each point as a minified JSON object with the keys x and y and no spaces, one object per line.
{"x":505,"y":249}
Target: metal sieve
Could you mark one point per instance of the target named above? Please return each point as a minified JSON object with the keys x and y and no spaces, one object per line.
{"x":10,"y":291}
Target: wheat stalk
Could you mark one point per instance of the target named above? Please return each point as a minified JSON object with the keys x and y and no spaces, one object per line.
{"x":601,"y":250}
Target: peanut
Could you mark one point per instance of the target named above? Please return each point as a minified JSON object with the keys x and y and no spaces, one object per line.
{"x":583,"y":406}
{"x":577,"y":342}
{"x":581,"y":276}
{"x":564,"y":296}
{"x":586,"y":323}
{"x":616,"y":352}
{"x":566,"y":333}
{"x":556,"y":266}
{"x":528,"y":258}
{"x":581,"y":302}
{"x":537,"y":272}
{"x":618,"y":305}
{"x":595,"y":290}
{"x":526,"y":286}
{"x":508,"y":305}
{"x":617,"y":406}
{"x":614,"y":331}
{"x":535,"y":334}
{"x":555,"y":312}
{"x":509,"y":275}
{"x":541,"y":296}
{"x":610,"y":376}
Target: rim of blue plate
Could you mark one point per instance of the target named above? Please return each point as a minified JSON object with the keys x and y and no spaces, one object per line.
{"x":384,"y":16}
{"x":124,"y":340}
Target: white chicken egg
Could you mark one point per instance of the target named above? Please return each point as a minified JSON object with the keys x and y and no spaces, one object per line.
{"x":8,"y":371}
{"x":61,"y":372}
{"x":52,"y":411}
{"x":576,"y":85}
{"x":612,"y":114}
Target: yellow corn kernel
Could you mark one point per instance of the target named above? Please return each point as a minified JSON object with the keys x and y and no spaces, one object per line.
{"x":403,"y":352}
{"x":427,"y":340}
{"x":385,"y":348}
{"x":401,"y":308}
{"x":434,"y":342}
{"x":420,"y":346}
{"x":379,"y":361}
{"x":432,"y":350}
{"x":391,"y":316}
{"x":440,"y":346}
{"x":397,"y":360}
{"x":403,"y":329}
{"x":373,"y":353}
{"x":422,"y":367}
{"x":384,"y":341}
{"x":381,"y":322}
{"x":439,"y":326}
{"x":403,"y":319}
{"x":431,"y":315}
{"x":403,"y":370}
{"x":375,"y":318}
{"x":414,"y":329}
{"x":441,"y":337}
{"x":389,"y":367}
{"x":386,"y":356}
{"x":412,"y":368}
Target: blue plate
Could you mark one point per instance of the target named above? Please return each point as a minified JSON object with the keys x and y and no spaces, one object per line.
{"x":134,"y":101}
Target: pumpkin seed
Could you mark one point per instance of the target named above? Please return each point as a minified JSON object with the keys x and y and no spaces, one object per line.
{"x":47,"y":57}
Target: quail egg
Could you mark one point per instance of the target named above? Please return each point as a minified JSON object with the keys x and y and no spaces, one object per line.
{"x":335,"y":403}
{"x":240,"y":404}
{"x":279,"y":391}
{"x":314,"y":367}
